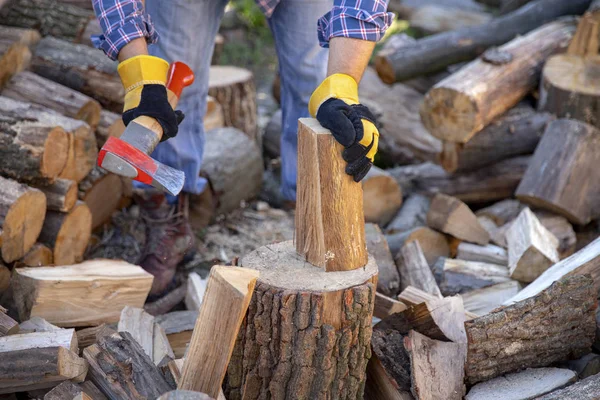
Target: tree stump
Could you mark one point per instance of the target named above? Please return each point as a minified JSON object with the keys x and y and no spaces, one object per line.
{"x":234,"y":89}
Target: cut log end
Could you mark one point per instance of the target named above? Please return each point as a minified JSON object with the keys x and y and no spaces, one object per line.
{"x":54,"y":158}
{"x":448,"y":113}
{"x":384,"y":68}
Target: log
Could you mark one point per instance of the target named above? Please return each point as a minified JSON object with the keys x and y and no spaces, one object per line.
{"x":412,"y":214}
{"x":167,"y":302}
{"x":102,"y":193}
{"x":561,"y":228}
{"x":8,"y":326}
{"x":452,"y":216}
{"x":414,"y":269}
{"x":206,"y":361}
{"x":409,"y":176}
{"x":388,"y":282}
{"x":10,"y":35}
{"x":382,"y":196}
{"x":322,"y":232}
{"x":37,"y":324}
{"x":98,"y":291}
{"x":196,"y":287}
{"x":178,"y":326}
{"x":568,"y":154}
{"x":50,"y":17}
{"x":4,"y":278}
{"x":32,"y":369}
{"x":456,"y":109}
{"x":61,"y":195}
{"x":89,"y":336}
{"x":32,"y":88}
{"x":84,"y":4}
{"x":37,"y":340}
{"x":16,"y":58}
{"x":406,"y":8}
{"x":483,"y":301}
{"x":67,"y":234}
{"x":490,"y":253}
{"x":82,"y":157}
{"x":380,"y":385}
{"x":532,"y":249}
{"x":234,"y":89}
{"x":555,"y":325}
{"x":389,"y":364}
{"x":140,"y":326}
{"x":515,"y":133}
{"x":110,"y":124}
{"x":92,"y":391}
{"x":316,"y":313}
{"x":433,"y":244}
{"x":528,"y":384}
{"x":162,"y":353}
{"x":119,"y":366}
{"x":228,"y":154}
{"x":22,"y":211}
{"x":491,"y":183}
{"x":459,"y":276}
{"x":585,"y":261}
{"x":433,"y":19}
{"x":502,"y":212}
{"x":81,"y":68}
{"x":39,"y":256}
{"x":437,"y":368}
{"x":586,"y":41}
{"x":436,"y":52}
{"x":184,"y":395}
{"x":413,"y":296}
{"x":586,"y":389}
{"x":497,"y":233}
{"x":385,"y":306}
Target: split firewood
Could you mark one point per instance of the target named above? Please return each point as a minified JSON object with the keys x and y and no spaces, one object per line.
{"x":436,"y":19}
{"x":110,"y":124}
{"x":175,"y":368}
{"x":585,"y":366}
{"x":562,"y":229}
{"x":167,"y":302}
{"x":388,"y":282}
{"x":412,"y":214}
{"x":459,"y":95}
{"x":162,"y":353}
{"x":557,"y":324}
{"x":528,"y":384}
{"x":586,"y":42}
{"x":532,"y":248}
{"x":515,"y":133}
{"x":102,"y":193}
{"x":321,"y":228}
{"x":67,"y":234}
{"x":178,"y":326}
{"x":140,"y":325}
{"x":490,"y":253}
{"x":585,"y":261}
{"x":22,"y":341}
{"x":92,"y":391}
{"x":81,"y":68}
{"x":459,"y":276}
{"x":98,"y":291}
{"x":4,"y":278}
{"x":569,"y":179}
{"x":39,"y":368}
{"x":196,"y":287}
{"x":380,"y":385}
{"x":211,"y":346}
{"x":229,"y":154}
{"x":433,"y":244}
{"x":184,"y":395}
{"x":452,"y":216}
{"x":121,"y":368}
{"x":89,"y":336}
{"x":234,"y":89}
{"x":32,"y":88}
{"x":413,"y":296}
{"x":61,"y":195}
{"x":436,"y":52}
{"x":37,"y":324}
{"x":382,"y":196}
{"x":586,"y":389}
{"x":389,"y":365}
{"x":22,"y":213}
{"x":502,"y":212}
{"x":67,"y":391}
{"x":8,"y":326}
{"x":483,"y":301}
{"x":214,"y":117}
{"x":386,"y":306}
{"x":414,"y":269}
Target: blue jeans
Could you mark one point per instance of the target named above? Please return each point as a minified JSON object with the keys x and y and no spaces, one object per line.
{"x":187,"y":30}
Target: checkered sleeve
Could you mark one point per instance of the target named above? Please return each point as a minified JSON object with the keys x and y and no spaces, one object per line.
{"x":121,"y":21}
{"x":358,"y":19}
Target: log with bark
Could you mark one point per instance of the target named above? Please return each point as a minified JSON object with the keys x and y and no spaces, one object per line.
{"x":433,"y":244}
{"x":562,"y":176}
{"x":16,"y":58}
{"x":459,"y":276}
{"x":382,"y":196}
{"x":32,"y":88}
{"x":586,"y":41}
{"x":67,"y":391}
{"x":234,"y":89}
{"x":483,"y":301}
{"x":166,"y":303}
{"x":10,"y":35}
{"x":61,"y":195}
{"x":39,"y":256}
{"x":452,"y":216}
{"x":82,"y":68}
{"x":67,"y":234}
{"x":388,"y":282}
{"x":556,"y":325}
{"x":92,"y":391}
{"x":229,"y":154}
{"x":22,"y":215}
{"x":515,"y":133}
{"x":405,"y":8}
{"x":456,"y":109}
{"x":97,"y":292}
{"x":102,"y":192}
{"x":110,"y":124}
{"x":436,"y":52}
{"x":433,"y":19}
{"x":386,"y":306}
{"x":414,"y":269}
{"x":586,"y":389}
{"x":412,"y":214}
{"x":490,"y":253}
{"x":140,"y":325}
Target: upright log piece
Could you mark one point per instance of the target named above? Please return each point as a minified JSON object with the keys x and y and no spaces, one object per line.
{"x":22,"y":215}
{"x":452,"y":216}
{"x":61,"y":195}
{"x":67,"y":234}
{"x":558,"y":324}
{"x":457,"y":108}
{"x":382,"y":196}
{"x":329,"y":233}
{"x":563,"y":176}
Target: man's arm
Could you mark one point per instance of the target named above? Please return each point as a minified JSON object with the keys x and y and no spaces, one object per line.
{"x":349,"y":56}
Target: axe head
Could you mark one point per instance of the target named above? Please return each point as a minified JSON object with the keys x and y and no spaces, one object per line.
{"x":122,"y":158}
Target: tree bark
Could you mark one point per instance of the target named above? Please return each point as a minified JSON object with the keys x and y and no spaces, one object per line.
{"x":436,"y":52}
{"x":556,"y":325}
{"x":318,"y":325}
{"x":102,"y":192}
{"x":61,"y":195}
{"x":456,"y":109}
{"x":562,"y":176}
{"x":82,"y":68}
{"x":22,"y":212}
{"x":382,"y":196}
{"x":586,"y":389}
{"x":433,"y":19}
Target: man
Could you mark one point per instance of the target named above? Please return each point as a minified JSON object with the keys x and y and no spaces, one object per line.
{"x":309,"y":84}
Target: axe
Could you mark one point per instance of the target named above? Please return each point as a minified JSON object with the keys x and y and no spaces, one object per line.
{"x":129,"y":155}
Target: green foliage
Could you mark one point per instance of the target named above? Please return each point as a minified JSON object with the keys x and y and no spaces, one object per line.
{"x":250,"y":13}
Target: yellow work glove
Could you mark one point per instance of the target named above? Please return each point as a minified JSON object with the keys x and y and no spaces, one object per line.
{"x":144,"y":79}
{"x":335,"y":105}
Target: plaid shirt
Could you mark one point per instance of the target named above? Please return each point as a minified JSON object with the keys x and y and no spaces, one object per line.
{"x":124,"y":20}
